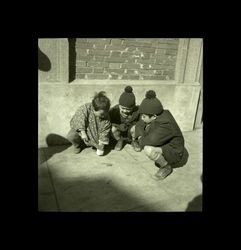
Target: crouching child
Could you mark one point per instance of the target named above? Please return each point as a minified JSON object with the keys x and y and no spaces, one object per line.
{"x":90,"y":125}
{"x":160,"y":137}
{"x":123,"y":117}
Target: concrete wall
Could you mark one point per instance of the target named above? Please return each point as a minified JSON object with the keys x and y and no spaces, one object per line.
{"x":58,"y":100}
{"x":57,"y":103}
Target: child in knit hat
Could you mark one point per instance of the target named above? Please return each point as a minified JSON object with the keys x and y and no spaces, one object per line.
{"x":160,"y":136}
{"x":123,"y":116}
{"x":90,"y":125}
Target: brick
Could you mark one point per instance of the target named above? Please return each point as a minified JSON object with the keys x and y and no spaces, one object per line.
{"x":84,"y":46}
{"x":148,"y":49}
{"x":171,"y":41}
{"x":155,"y":77}
{"x":155,"y":66}
{"x":84,"y":70}
{"x":145,"y":40}
{"x":93,"y":64}
{"x":131,"y":71}
{"x":97,"y":76}
{"x":130,"y":66}
{"x":147,"y":71}
{"x":114,"y":65}
{"x":137,"y":43}
{"x":171,"y":52}
{"x":98,"y":64}
{"x":159,"y":72}
{"x":167,"y":46}
{"x":99,"y":46}
{"x":82,"y":51}
{"x":131,"y":48}
{"x":84,"y":58}
{"x":160,"y":51}
{"x":117,"y":71}
{"x":99,"y":40}
{"x":98,"y":70}
{"x":130,"y":60}
{"x":80,"y":76}
{"x":114,"y":76}
{"x":115,"y":54}
{"x":146,"y":61}
{"x":81,"y":40}
{"x":145,"y":66}
{"x":146,"y":55}
{"x":99,"y":52}
{"x":80,"y":64}
{"x":99,"y":58}
{"x":168,"y":72}
{"x":126,"y":54}
{"x":115,"y":59}
{"x":115,"y":47}
{"x":116,"y":41}
{"x":130,"y":77}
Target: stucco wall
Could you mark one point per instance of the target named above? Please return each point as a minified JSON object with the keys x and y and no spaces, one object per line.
{"x":58,"y":102}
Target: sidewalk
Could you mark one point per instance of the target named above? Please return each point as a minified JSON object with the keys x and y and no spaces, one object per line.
{"x":119,"y":181}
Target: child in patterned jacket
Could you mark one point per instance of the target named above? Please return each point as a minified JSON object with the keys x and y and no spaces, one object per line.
{"x":90,"y":125}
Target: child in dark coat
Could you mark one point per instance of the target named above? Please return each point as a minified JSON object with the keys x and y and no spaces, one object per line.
{"x":90,"y":125}
{"x":160,"y":136}
{"x":123,"y":116}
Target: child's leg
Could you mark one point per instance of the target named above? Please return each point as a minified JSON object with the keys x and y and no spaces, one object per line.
{"x":116,"y":134}
{"x":134,"y":142}
{"x":75,"y":139}
{"x":156,"y":154}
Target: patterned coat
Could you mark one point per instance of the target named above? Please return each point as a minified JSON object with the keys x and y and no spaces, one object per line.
{"x":96,"y":128}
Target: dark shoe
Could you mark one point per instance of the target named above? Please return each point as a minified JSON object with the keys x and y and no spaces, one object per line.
{"x":77,"y":150}
{"x":162,"y":173}
{"x":119,"y":145}
{"x":136,"y":146}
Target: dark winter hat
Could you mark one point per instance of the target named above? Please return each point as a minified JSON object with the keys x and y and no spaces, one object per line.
{"x":127,"y":98}
{"x":151,"y":105}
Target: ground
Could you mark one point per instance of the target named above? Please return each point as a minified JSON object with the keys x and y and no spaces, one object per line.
{"x":119,"y":181}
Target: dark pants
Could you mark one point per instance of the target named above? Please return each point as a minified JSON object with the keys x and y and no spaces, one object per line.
{"x":117,"y":134}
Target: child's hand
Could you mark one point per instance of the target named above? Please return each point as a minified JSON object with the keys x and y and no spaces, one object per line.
{"x":99,"y":152}
{"x":85,"y":138}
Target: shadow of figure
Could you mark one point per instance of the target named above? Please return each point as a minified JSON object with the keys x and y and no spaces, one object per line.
{"x":72,"y":59}
{"x":44,"y":63}
{"x":84,"y":194}
{"x":196,"y":203}
{"x":55,"y":144}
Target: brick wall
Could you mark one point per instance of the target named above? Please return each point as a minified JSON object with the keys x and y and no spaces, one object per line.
{"x":132,"y":58}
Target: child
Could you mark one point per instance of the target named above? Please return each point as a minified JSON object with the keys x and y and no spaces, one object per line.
{"x":123,"y":116}
{"x":160,"y":136}
{"x":90,"y":124}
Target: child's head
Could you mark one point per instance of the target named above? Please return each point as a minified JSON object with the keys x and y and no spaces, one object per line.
{"x":101,"y":104}
{"x":127,"y":102}
{"x":150,"y":107}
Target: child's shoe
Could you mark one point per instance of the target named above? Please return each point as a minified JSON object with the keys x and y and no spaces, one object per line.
{"x":119,"y":145}
{"x":163,"y":172}
{"x":136,"y":146}
{"x":77,"y":149}
{"x":99,"y":152}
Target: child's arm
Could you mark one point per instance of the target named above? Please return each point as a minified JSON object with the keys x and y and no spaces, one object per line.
{"x":158,"y":136}
{"x":104,"y":133}
{"x":78,"y":122}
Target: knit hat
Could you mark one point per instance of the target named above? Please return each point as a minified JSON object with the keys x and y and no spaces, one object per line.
{"x":151,"y":105}
{"x":127,"y":98}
